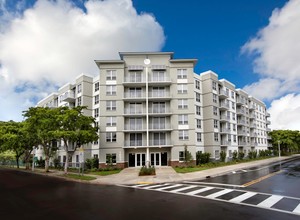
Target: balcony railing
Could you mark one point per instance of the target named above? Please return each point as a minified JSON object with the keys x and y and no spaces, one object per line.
{"x":251,"y":115}
{"x":135,"y":127}
{"x":129,"y":111}
{"x":134,"y":95}
{"x":252,"y":125}
{"x":135,"y":143}
{"x":242,"y":143}
{"x":268,"y":114}
{"x":69,"y":97}
{"x":153,"y":79}
{"x":158,"y":111}
{"x":159,"y":142}
{"x":240,"y":101}
{"x":225,"y":143}
{"x":240,"y":111}
{"x":225,"y":117}
{"x":253,"y":134}
{"x":241,"y":122}
{"x":223,"y":94}
{"x":254,"y":143}
{"x":268,"y":129}
{"x":268,"y":122}
{"x":224,"y":105}
{"x":251,"y":107}
{"x":224,"y":130}
{"x":241,"y":132}
{"x":165,"y":94}
{"x":129,"y":79}
{"x":163,"y":126}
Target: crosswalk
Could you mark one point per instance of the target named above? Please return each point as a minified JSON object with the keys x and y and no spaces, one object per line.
{"x":261,"y":200}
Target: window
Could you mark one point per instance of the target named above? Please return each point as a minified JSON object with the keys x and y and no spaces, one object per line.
{"x":198,"y":122}
{"x":197,"y":84}
{"x":111,"y":121}
{"x":234,"y":138}
{"x":198,"y":97}
{"x":215,"y":98}
{"x":230,"y":153}
{"x":183,"y":134}
{"x":182,"y":88}
{"x":96,"y":142}
{"x":217,"y":154}
{"x":96,"y":99}
{"x":232,"y":94}
{"x":181,"y":74}
{"x":111,"y":90}
{"x":96,"y":113}
{"x":79,"y":101}
{"x":97,"y":124}
{"x":183,"y":119}
{"x":95,"y":156}
{"x":111,"y":158}
{"x":232,"y":105}
{"x":199,"y":137}
{"x":111,"y":75}
{"x":111,"y":105}
{"x":181,"y":156}
{"x":215,"y":110}
{"x":233,"y":116}
{"x":182,"y":103}
{"x":96,"y":86}
{"x":111,"y":137}
{"x":234,"y":127}
{"x":79,"y":88}
{"x":215,"y":123}
{"x":216,"y":136}
{"x":198,"y":110}
{"x":214,"y":85}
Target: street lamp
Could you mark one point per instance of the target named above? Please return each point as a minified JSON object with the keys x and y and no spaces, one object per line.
{"x":147,"y":62}
{"x":279,"y":148}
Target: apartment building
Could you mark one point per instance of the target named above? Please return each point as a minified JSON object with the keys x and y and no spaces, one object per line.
{"x":149,"y":107}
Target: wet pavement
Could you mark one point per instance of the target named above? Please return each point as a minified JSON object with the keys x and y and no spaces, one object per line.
{"x":30,"y":196}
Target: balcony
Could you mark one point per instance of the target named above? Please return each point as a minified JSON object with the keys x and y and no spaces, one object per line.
{"x":268,"y":114}
{"x":160,"y":111}
{"x":69,"y":97}
{"x":134,"y":80}
{"x":241,"y":133}
{"x":224,"y":118}
{"x":159,"y":95}
{"x":253,"y":143}
{"x":134,"y":95}
{"x":240,"y":101}
{"x":225,"y":143}
{"x":240,"y":111}
{"x":135,"y":144}
{"x":158,"y":67}
{"x":253,"y":134}
{"x":161,"y":80}
{"x":132,"y":112}
{"x":159,"y":127}
{"x":135,"y":68}
{"x":268,"y":122}
{"x":223,"y":94}
{"x":135,"y":127}
{"x":241,"y":122}
{"x":242,"y":143}
{"x":224,"y":106}
{"x":224,"y":130}
{"x":268,"y":129}
{"x":252,"y":125}
{"x":251,"y":107}
{"x":252,"y":116}
{"x":160,"y":142}
{"x":269,"y":137}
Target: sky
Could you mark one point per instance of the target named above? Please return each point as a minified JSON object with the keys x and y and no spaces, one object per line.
{"x":252,"y":43}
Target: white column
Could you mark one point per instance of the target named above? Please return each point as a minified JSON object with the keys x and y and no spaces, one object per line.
{"x":147,"y":62}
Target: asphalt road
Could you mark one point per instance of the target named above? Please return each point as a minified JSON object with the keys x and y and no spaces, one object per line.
{"x":32,"y":196}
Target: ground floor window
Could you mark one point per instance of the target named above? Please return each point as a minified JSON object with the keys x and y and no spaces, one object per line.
{"x":181,"y":156}
{"x":217,"y":154}
{"x":111,"y":158}
{"x":95,"y":156}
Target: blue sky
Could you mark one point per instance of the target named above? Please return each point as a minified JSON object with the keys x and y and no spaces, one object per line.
{"x":252,"y":43}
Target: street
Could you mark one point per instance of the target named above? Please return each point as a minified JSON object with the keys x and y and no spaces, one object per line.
{"x":30,"y":196}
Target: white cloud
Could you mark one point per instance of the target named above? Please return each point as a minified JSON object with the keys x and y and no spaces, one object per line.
{"x":54,"y":41}
{"x":276,"y":48}
{"x":285,"y":112}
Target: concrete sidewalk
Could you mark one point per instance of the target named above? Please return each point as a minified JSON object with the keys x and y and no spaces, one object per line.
{"x":168,"y":174}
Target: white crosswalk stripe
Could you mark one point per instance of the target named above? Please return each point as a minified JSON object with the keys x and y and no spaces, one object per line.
{"x":196,"y":190}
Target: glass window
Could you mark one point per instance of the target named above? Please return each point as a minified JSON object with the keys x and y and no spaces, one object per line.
{"x":198,"y":97}
{"x":199,"y":137}
{"x":215,"y":110}
{"x":79,"y":101}
{"x":111,"y":121}
{"x":217,"y":154}
{"x":198,"y":122}
{"x":198,"y":110}
{"x":111,"y":158}
{"x":182,"y":88}
{"x":111,"y":75}
{"x":216,"y":136}
{"x":181,"y":73}
{"x":111,"y":105}
{"x":197,"y":84}
{"x":183,"y":119}
{"x":215,"y":98}
{"x":96,"y":113}
{"x":96,"y":98}
{"x":183,"y":134}
{"x":111,"y":90}
{"x":79,"y":88}
{"x":96,"y":86}
{"x":181,"y":156}
{"x":111,"y":137}
{"x":214,"y":85}
{"x":215,"y":123}
{"x":182,"y":103}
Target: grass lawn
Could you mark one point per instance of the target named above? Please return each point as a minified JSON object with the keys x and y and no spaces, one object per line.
{"x":79,"y":177}
{"x":213,"y":165}
{"x":105,"y":173}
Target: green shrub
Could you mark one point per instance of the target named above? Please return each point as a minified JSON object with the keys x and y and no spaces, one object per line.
{"x":202,"y":158}
{"x":223,"y":156}
{"x":187,"y":155}
{"x":40,"y":163}
{"x":252,"y":154}
{"x":235,"y":155}
{"x":241,"y":155}
{"x":56,"y":163}
{"x":92,"y":163}
{"x":147,"y":171}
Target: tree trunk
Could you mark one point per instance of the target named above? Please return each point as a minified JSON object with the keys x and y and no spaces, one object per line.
{"x":67,"y":161}
{"x":17,"y":159}
{"x":47,"y":163}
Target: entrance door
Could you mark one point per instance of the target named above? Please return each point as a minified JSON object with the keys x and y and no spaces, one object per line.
{"x":164,"y":158}
{"x":131,"y":158}
{"x":155,"y":159}
{"x":140,"y":159}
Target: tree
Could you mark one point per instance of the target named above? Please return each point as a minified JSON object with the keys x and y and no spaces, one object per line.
{"x":16,"y":137}
{"x":289,"y":140}
{"x":42,"y":122}
{"x":74,"y":129}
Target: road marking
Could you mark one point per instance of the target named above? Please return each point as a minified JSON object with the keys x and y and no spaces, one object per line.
{"x":153,"y":186}
{"x":217,"y":194}
{"x":145,"y":183}
{"x":297,"y":210}
{"x":140,"y":185}
{"x":169,"y":187}
{"x":243,"y":197}
{"x":199,"y":191}
{"x":269,"y":202}
{"x":261,"y":178}
{"x":215,"y":184}
{"x":182,"y":189}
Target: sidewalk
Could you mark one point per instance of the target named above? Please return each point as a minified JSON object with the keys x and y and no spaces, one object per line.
{"x":168,"y":174}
